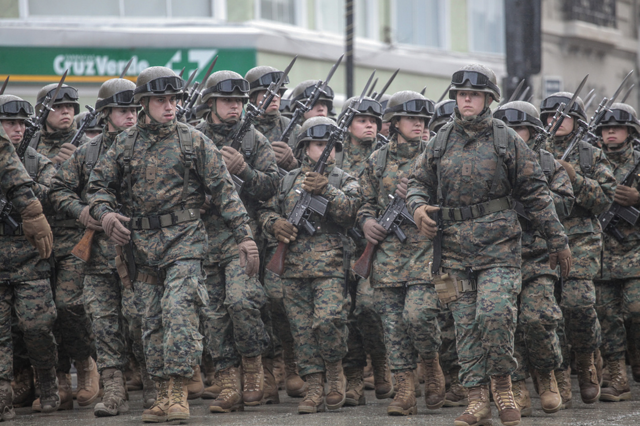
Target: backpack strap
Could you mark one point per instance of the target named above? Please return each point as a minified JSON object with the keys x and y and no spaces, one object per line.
{"x":586,"y":157}
{"x":547,"y":163}
{"x":129,"y":144}
{"x":335,"y":178}
{"x":93,"y":152}
{"x":500,"y":141}
{"x":439,"y":147}
{"x":340,"y":158}
{"x":31,"y":162}
{"x":186,"y":145}
{"x":35,"y":140}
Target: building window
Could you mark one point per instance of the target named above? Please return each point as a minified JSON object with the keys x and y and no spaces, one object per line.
{"x":43,"y":8}
{"x":126,"y":8}
{"x":421,"y":22}
{"x":330,"y":17}
{"x":599,"y":12}
{"x":486,"y":26}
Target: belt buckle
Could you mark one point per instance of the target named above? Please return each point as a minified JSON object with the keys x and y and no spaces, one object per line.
{"x":465,"y":212}
{"x":481,"y":209}
{"x":154,"y":221}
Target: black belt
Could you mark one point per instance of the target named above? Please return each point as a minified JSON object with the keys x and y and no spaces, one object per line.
{"x":476,"y":210}
{"x":165,"y":220}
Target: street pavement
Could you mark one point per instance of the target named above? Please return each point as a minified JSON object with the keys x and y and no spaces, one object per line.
{"x":373,"y":414}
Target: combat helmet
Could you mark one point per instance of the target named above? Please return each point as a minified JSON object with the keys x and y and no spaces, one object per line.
{"x":157,"y":81}
{"x":303,"y":91}
{"x":117,"y":92}
{"x":261,"y":77}
{"x":317,"y":128}
{"x":14,"y":108}
{"x":368,"y":107}
{"x":475,"y":77}
{"x":550,"y":104}
{"x":519,"y":113}
{"x":225,"y":84}
{"x":408,"y":103}
{"x":95,"y":125}
{"x":443,"y":112}
{"x":620,"y":115}
{"x":66,"y":95}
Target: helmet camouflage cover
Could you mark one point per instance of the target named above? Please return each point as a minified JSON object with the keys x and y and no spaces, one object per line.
{"x":66,"y":95}
{"x":408,"y":103}
{"x":157,"y":81}
{"x":519,"y":113}
{"x":316,"y":128}
{"x":117,"y":92}
{"x":14,"y":108}
{"x":550,"y":104}
{"x":620,"y":115}
{"x":475,"y":77}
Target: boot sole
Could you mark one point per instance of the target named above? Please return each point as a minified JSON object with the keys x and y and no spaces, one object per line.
{"x":436,"y":406}
{"x":178,"y":417}
{"x":153,"y":419}
{"x":271,"y":400}
{"x":461,"y":403}
{"x":352,"y":402}
{"x":89,"y":401}
{"x":311,"y":410}
{"x":105,"y":412}
{"x":553,"y":410}
{"x":398,"y":411}
{"x":333,"y":407}
{"x":487,"y":422}
{"x":253,"y":403}
{"x":216,"y":409}
{"x":513,"y":423}
{"x":612,"y":398}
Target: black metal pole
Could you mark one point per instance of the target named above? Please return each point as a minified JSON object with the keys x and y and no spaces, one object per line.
{"x":349,"y":46}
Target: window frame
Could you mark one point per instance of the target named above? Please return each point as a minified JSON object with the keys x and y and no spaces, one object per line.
{"x":299,"y":14}
{"x":471,"y":38}
{"x":445,"y":33}
{"x":372,"y":31}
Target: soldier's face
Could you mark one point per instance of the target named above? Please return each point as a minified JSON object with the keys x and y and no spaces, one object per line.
{"x":385,"y":129}
{"x":14,"y":129}
{"x":61,"y":118}
{"x":364,"y":127}
{"x":411,"y":127}
{"x":229,"y":109}
{"x":162,"y":108}
{"x":615,"y":135}
{"x":523,"y":132}
{"x":470,"y":102}
{"x":565,"y":128}
{"x":274,"y":106}
{"x":320,"y":109}
{"x":315,"y":148}
{"x":122,"y":118}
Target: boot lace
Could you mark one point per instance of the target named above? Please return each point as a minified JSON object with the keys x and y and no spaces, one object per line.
{"x":177,"y":391}
{"x":332,"y":378}
{"x":315,"y":388}
{"x":502,"y":395}
{"x":586,"y":368}
{"x":251,"y":376}
{"x":614,"y":368}
{"x":228,"y":380}
{"x":354,"y":379}
{"x":544,"y":381}
{"x":477,"y":399}
{"x":403,"y":390}
{"x":433,"y":382}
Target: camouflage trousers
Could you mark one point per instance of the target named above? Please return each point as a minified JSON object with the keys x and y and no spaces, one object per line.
{"x":536,"y":342}
{"x":448,"y":352}
{"x":73,"y":327}
{"x":32,"y":303}
{"x":317,"y":312}
{"x":485,"y":322}
{"x":232,"y":321}
{"x":281,"y":337}
{"x":172,"y":343}
{"x":110,"y":307}
{"x":366,"y":334}
{"x":410,"y":321}
{"x":617,"y":301}
{"x":580,"y":328}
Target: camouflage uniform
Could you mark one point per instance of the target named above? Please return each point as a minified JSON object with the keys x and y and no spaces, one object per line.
{"x":174,"y":254}
{"x":486,"y":247}
{"x":14,"y":179}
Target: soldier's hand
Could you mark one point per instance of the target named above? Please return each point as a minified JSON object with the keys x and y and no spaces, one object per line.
{"x":562,"y":258}
{"x":570,"y":170}
{"x":66,"y":150}
{"x":626,"y":196}
{"x":37,"y":229}
{"x":115,"y":230}
{"x":315,"y":183}
{"x":284,"y":231}
{"x":206,"y":206}
{"x":401,"y":188}
{"x":88,"y":221}
{"x":233,"y":160}
{"x":373,"y":231}
{"x":427,"y":226}
{"x":249,"y":256}
{"x":284,"y":155}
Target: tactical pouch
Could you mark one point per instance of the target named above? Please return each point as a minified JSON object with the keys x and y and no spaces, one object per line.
{"x":450,"y":288}
{"x":121,"y":267}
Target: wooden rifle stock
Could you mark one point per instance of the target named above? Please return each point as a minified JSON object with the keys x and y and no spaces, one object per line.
{"x":363,"y":266}
{"x":276,"y":265}
{"x":82,"y":250}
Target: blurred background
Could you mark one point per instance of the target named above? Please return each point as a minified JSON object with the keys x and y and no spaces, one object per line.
{"x":550,"y":43}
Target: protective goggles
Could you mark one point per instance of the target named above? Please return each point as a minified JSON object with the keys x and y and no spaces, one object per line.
{"x":309,"y":91}
{"x":445,"y":110}
{"x":320,"y":131}
{"x":516,"y":117}
{"x":414,"y":106}
{"x":70,"y":93}
{"x":474,"y":78}
{"x":229,"y":86}
{"x":161,"y":85}
{"x":267,"y":79}
{"x":617,"y":115}
{"x":124,"y":98}
{"x":553,"y":102}
{"x":368,"y":106}
{"x":16,"y":107}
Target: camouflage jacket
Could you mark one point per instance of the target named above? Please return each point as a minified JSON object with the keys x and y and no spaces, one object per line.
{"x":15,"y":182}
{"x":20,"y":261}
{"x":395,"y":264}
{"x":69,"y":195}
{"x":535,"y":257}
{"x":157,"y":179}
{"x":319,"y":255}
{"x":272,"y":127}
{"x":49,"y":143}
{"x":622,"y":259}
{"x":468,"y":165}
{"x":353,"y":159}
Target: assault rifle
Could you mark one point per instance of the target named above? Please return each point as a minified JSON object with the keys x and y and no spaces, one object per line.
{"x":91,"y":115}
{"x":394,"y":215}
{"x":195,"y":93}
{"x":36,"y":124}
{"x":252,"y":113}
{"x":5,"y":214}
{"x":301,"y":108}
{"x":190,"y":99}
{"x":610,"y":218}
{"x":308,"y":203}
{"x":4,"y":85}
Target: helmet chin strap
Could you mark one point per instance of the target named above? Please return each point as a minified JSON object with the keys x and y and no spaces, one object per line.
{"x":613,"y":147}
{"x":214,"y":110}
{"x":361,"y":141}
{"x":145,"y":107}
{"x":107,"y":116}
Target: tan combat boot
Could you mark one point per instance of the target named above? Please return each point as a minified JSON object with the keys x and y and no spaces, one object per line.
{"x":337,"y":385}
{"x":64,"y":392}
{"x":313,"y":401}
{"x":23,"y":387}
{"x":435,"y":383}
{"x":253,"y":379}
{"x":478,"y":412}
{"x":404,"y":403}
{"x":6,"y":401}
{"x":504,"y":400}
{"x":195,"y":386}
{"x":230,"y":398}
{"x":618,"y":387}
{"x":382,"y":377}
{"x":522,"y":398}
{"x":563,"y":378}
{"x":158,"y":411}
{"x":214,"y":386}
{"x":270,"y":394}
{"x":587,"y":378}
{"x":457,"y":394}
{"x":293,"y":383}
{"x":550,"y":396}
{"x":115,"y":398}
{"x":355,"y":386}
{"x":178,"y":405}
{"x":88,"y":382}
